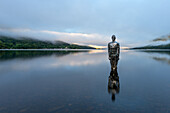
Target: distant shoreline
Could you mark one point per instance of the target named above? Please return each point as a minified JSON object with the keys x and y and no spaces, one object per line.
{"x":79,"y":49}
{"x":48,"y":49}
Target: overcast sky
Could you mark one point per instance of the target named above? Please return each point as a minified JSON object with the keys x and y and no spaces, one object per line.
{"x":134,"y":22}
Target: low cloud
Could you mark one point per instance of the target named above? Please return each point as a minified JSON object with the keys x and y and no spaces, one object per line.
{"x":163,"y":38}
{"x":79,"y":38}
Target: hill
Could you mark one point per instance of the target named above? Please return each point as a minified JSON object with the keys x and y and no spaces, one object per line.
{"x":164,"y":39}
{"x":166,"y":46}
{"x":29,"y":43}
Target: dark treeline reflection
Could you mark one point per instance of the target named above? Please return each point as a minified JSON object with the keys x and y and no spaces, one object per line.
{"x":6,"y":55}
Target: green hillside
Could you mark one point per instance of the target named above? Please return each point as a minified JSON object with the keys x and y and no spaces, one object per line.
{"x":28,"y":43}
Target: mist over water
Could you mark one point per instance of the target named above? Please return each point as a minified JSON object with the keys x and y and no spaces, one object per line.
{"x":77,"y":81}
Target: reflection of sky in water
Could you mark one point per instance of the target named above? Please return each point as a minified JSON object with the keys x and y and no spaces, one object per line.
{"x":78,"y":82}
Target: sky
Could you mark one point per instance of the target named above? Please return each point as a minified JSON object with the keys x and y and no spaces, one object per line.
{"x":89,"y":22}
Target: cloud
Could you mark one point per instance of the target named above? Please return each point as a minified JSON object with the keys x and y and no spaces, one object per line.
{"x":132,"y":21}
{"x":78,"y":37}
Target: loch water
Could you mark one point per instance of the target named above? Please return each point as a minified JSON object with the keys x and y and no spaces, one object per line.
{"x":77,"y":81}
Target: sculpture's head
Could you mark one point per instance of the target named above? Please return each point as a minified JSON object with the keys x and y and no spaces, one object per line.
{"x":113,"y":38}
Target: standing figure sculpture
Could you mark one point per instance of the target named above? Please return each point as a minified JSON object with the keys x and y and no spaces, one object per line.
{"x":113,"y":51}
{"x":113,"y":82}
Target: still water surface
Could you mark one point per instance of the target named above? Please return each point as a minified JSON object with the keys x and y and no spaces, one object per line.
{"x":74,"y":81}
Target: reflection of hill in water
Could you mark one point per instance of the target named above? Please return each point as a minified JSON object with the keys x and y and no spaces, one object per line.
{"x":162,"y":59}
{"x":157,"y":51}
{"x":6,"y":55}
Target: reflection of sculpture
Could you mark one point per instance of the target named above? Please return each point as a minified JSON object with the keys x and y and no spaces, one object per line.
{"x":113,"y":83}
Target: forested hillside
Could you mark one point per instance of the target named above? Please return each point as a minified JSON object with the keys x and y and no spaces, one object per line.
{"x":29,"y":43}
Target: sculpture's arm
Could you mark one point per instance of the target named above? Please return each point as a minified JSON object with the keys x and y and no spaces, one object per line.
{"x":118,"y":49}
{"x":109,"y":50}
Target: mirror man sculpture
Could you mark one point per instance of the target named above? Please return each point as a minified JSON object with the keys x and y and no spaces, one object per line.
{"x":113,"y":51}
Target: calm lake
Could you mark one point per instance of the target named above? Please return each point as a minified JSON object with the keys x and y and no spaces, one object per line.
{"x":77,"y":81}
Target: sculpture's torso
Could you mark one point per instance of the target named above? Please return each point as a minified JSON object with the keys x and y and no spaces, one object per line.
{"x":113,"y":49}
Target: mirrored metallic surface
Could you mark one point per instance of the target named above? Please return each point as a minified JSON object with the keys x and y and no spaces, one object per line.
{"x":113,"y":82}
